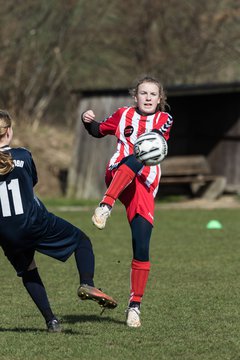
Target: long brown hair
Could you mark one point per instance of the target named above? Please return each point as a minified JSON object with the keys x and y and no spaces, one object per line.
{"x":6,"y":161}
{"x":147,"y":78}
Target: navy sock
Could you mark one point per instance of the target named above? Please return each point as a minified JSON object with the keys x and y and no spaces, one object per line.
{"x":135,"y":304}
{"x":34,"y":286}
{"x":85,"y":261}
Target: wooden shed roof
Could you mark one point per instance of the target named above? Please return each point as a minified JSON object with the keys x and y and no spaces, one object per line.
{"x":174,"y":90}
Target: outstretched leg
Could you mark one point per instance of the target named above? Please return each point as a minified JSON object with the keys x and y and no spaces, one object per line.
{"x":123,"y":177}
{"x":84,"y":257}
{"x":85,"y":260}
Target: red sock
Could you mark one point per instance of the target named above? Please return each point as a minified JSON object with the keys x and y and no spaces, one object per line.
{"x":139,"y":276}
{"x":122,"y":178}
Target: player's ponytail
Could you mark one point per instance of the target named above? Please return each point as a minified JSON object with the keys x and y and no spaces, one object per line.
{"x":6,"y":161}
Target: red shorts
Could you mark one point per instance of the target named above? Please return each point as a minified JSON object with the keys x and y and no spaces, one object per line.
{"x":137,"y":198}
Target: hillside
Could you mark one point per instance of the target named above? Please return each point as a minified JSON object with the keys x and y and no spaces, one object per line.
{"x":51,"y":151}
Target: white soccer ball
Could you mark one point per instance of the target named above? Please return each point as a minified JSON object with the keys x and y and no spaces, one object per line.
{"x":150,"y":148}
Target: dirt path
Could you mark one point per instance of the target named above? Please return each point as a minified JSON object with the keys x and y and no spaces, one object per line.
{"x":224,"y":202}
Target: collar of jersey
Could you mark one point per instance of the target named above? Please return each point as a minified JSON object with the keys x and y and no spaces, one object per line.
{"x":5,"y":147}
{"x":140,"y":113}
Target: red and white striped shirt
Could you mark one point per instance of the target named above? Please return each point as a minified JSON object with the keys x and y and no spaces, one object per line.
{"x":127,"y":124}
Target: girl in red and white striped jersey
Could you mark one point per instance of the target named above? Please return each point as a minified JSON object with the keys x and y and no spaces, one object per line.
{"x":129,"y":180}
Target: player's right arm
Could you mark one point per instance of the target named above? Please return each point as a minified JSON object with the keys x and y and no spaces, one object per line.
{"x":103,"y":128}
{"x":92,"y":126}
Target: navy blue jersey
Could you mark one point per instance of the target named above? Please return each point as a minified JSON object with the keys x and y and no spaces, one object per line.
{"x":25,"y":223}
{"x":24,"y":220}
{"x":18,"y":206}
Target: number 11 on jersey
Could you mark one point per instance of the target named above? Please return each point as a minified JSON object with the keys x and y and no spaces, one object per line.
{"x":5,"y":190}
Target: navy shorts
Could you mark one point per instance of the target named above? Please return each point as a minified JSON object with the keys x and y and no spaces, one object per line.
{"x":59,"y":240}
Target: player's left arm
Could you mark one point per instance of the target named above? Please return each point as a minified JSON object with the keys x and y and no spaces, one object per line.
{"x":34,"y":174}
{"x":29,"y":164}
{"x":165,"y":126}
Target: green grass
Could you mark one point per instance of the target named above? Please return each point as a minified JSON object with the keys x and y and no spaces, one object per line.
{"x":191,"y":309}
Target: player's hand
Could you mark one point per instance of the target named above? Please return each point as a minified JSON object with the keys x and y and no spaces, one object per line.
{"x":88,"y":116}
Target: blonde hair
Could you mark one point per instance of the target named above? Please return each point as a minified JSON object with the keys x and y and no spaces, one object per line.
{"x":6,"y":160}
{"x":147,"y":78}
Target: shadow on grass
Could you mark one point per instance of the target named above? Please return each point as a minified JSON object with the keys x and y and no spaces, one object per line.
{"x":72,"y":319}
{"x":28,"y":330}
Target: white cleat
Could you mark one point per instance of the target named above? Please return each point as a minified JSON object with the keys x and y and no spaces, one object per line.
{"x":133,"y":317}
{"x":100,"y":216}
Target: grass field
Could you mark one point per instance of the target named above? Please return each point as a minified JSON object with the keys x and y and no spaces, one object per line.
{"x":191,"y":309}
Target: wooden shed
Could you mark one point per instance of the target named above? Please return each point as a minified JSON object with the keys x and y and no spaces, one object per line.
{"x":206,"y":123}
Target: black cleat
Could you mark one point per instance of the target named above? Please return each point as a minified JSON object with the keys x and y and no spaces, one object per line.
{"x":54,"y":326}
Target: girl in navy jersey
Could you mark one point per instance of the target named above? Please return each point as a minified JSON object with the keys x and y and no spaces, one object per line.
{"x":127,"y":179}
{"x":27,"y":226}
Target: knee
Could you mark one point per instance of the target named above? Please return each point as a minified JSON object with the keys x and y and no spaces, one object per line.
{"x":32,"y":266}
{"x":84,"y":241}
{"x":133,"y":163}
{"x":29,"y":275}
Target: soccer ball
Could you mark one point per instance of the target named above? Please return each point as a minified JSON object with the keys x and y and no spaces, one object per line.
{"x":150,"y":148}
